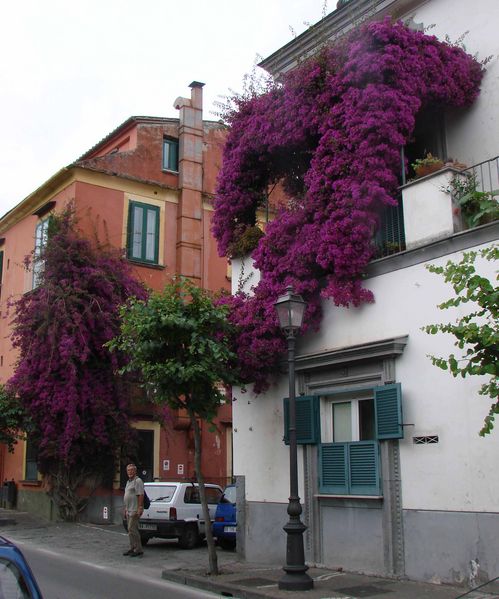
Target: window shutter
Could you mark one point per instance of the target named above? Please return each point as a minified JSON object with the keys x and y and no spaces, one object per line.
{"x":333,"y":468}
{"x":129,"y":231}
{"x":388,"y":411}
{"x":364,"y":468}
{"x":307,"y":420}
{"x":349,"y":468}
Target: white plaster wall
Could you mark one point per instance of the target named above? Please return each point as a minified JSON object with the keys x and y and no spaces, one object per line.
{"x":428,"y":196}
{"x":244,"y":276}
{"x":458,"y":473}
{"x":472,"y":135}
{"x":259,"y":450}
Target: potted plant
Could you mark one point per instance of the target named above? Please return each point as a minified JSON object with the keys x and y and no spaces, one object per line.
{"x":477,"y":207}
{"x":427,"y":165}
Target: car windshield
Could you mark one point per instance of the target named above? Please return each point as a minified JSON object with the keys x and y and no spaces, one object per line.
{"x":160,"y":492}
{"x":229,"y":495}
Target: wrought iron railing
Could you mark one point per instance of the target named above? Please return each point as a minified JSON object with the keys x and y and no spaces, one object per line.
{"x":486,"y":175}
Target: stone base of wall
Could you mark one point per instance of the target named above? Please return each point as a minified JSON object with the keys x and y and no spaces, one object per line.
{"x":457,"y":548}
{"x":451,"y":547}
{"x":103,"y":509}
{"x":37,"y":503}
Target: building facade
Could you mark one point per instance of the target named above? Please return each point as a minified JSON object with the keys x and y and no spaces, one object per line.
{"x":394,"y":478}
{"x":147,"y":187}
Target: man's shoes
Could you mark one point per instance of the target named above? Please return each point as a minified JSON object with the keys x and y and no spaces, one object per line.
{"x":129,"y":552}
{"x":136,"y":554}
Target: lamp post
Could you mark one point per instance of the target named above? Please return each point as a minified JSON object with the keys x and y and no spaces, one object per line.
{"x":290,"y":308}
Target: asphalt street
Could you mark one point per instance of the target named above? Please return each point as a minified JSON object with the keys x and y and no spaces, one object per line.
{"x":89,"y":557}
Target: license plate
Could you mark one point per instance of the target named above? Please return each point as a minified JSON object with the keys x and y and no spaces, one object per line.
{"x":229,"y":529}
{"x":147,"y":526}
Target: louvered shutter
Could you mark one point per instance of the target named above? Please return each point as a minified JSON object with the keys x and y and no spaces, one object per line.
{"x":364,"y":468}
{"x":307,"y":420}
{"x":388,"y":411}
{"x":333,"y":468}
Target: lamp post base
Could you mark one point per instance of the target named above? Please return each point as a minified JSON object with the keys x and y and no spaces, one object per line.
{"x":296,"y":581}
{"x":295,"y":577}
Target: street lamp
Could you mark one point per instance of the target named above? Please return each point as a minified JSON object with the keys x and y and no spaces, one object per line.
{"x":290,"y":308}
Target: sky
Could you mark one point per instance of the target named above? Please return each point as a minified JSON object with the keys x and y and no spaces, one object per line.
{"x":71,"y":72}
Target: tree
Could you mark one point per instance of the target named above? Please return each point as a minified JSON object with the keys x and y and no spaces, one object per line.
{"x":64,"y":377}
{"x":478,"y":332}
{"x":179,"y":341}
{"x":12,"y":419}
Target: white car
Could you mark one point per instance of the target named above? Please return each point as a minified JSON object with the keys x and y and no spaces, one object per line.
{"x":176,"y":512}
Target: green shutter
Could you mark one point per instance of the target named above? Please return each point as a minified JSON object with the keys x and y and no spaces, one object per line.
{"x":349,"y":468}
{"x":307,"y":420}
{"x":364,"y":468}
{"x":170,"y":154}
{"x":388,"y":411}
{"x":129,"y":231}
{"x":333,"y":477}
{"x":145,"y":209}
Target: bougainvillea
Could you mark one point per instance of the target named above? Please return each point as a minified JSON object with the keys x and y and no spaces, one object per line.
{"x":64,"y":375}
{"x":331,"y":132}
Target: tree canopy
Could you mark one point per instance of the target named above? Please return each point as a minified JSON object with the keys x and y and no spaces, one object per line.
{"x":180,"y":342}
{"x":65,"y":376}
{"x":476,"y":333}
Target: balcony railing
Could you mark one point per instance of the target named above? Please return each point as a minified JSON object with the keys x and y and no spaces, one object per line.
{"x":486,"y":175}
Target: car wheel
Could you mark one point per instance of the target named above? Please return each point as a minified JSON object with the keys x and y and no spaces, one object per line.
{"x":144,"y":539}
{"x":189,"y":538}
{"x":227,"y":544}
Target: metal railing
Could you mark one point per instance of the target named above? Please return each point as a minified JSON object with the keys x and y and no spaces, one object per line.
{"x":486,"y":175}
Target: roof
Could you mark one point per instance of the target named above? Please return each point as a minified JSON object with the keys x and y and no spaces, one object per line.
{"x":334,"y":25}
{"x":133,"y":120}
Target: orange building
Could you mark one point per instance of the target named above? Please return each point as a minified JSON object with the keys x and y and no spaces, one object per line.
{"x":147,"y":187}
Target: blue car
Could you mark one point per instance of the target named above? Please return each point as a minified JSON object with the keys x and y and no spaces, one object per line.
{"x":16,"y":577}
{"x":224,"y":527}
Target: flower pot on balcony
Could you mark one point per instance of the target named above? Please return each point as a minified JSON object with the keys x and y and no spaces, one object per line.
{"x":427,"y":165}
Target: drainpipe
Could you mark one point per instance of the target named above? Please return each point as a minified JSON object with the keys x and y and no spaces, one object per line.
{"x":189,"y":255}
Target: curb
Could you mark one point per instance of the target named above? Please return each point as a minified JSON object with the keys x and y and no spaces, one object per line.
{"x":205,"y":584}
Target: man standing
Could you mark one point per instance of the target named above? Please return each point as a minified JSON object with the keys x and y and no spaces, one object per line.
{"x":133,"y":501}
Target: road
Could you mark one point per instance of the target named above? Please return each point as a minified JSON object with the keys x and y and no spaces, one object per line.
{"x":63,"y":577}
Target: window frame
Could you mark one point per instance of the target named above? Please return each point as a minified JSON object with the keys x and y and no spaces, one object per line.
{"x":354,"y":467}
{"x":132,"y":205}
{"x":38,"y":264}
{"x":169,"y":158}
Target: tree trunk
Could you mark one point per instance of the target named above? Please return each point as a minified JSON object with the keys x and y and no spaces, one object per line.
{"x":63,"y":483}
{"x":212,"y":552}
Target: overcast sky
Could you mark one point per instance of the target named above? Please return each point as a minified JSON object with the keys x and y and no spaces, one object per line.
{"x":70,"y":72}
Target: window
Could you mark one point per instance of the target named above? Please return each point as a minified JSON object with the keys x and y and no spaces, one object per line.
{"x":12,"y":582}
{"x":170,"y":154}
{"x":143,"y":232}
{"x":352,"y":425}
{"x":41,"y":236}
{"x":31,"y":460}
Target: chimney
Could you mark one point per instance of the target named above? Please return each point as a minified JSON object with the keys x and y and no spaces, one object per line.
{"x":190,"y":208}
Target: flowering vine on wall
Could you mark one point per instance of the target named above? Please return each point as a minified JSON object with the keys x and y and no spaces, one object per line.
{"x":331,"y":132}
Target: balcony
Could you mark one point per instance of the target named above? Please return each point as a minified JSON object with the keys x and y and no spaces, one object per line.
{"x":449,"y":201}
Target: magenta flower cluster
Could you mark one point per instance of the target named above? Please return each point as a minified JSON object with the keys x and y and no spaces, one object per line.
{"x":65,"y":374}
{"x":331,"y":133}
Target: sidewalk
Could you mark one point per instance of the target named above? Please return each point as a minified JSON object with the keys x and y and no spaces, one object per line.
{"x":103,"y":544}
